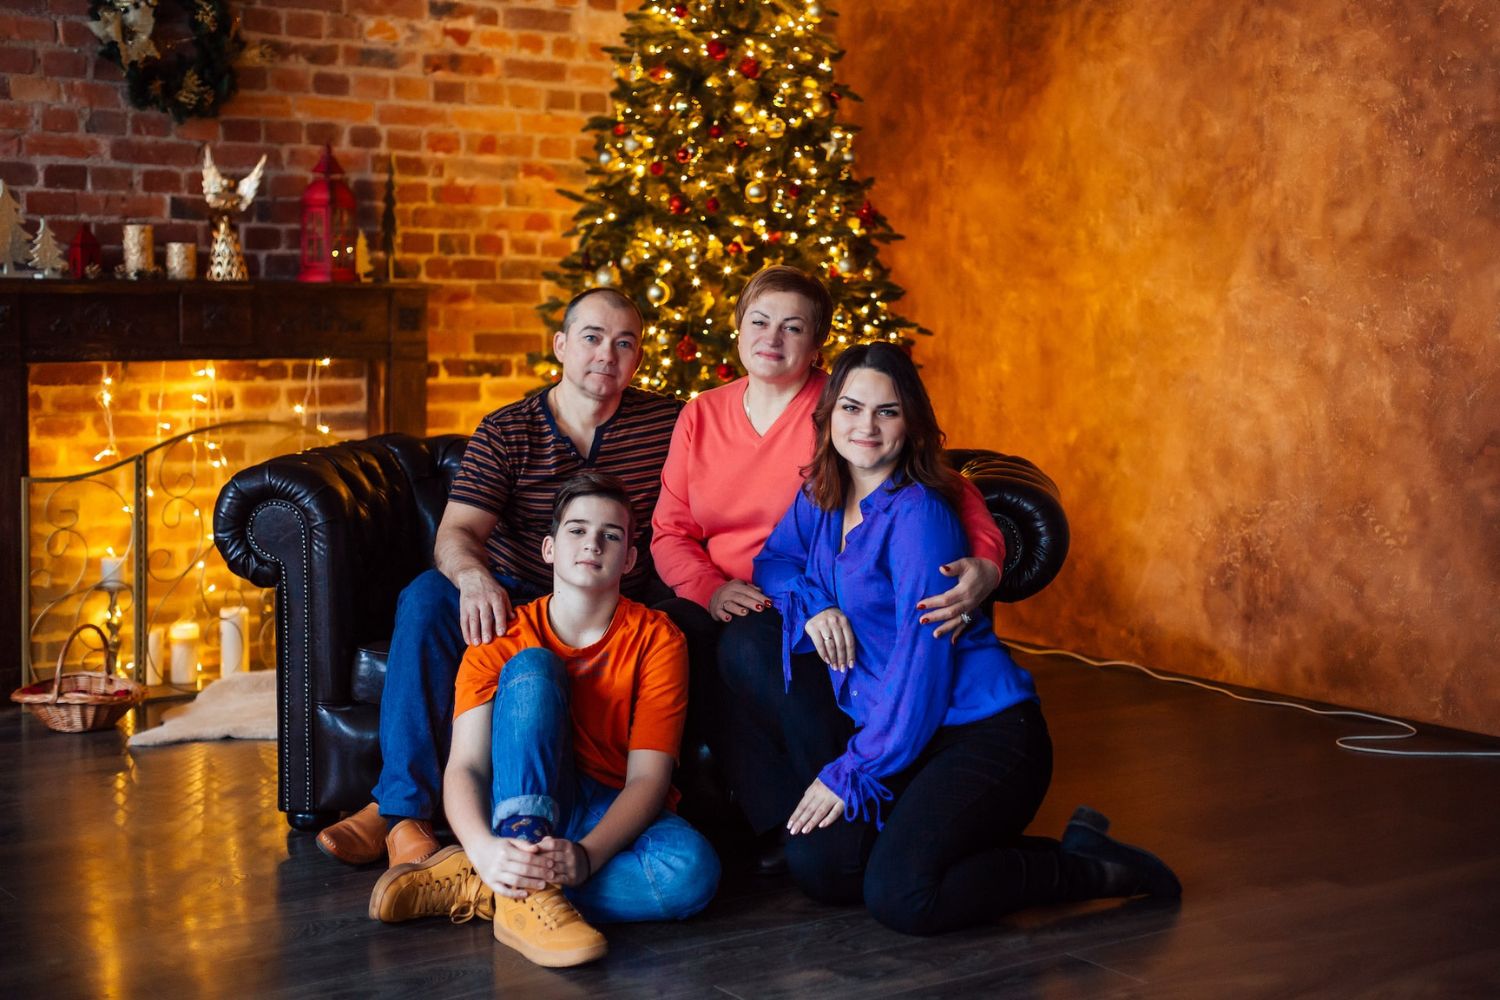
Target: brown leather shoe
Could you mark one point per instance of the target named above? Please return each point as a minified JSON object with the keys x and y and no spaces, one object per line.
{"x":355,"y":840}
{"x":410,"y":841}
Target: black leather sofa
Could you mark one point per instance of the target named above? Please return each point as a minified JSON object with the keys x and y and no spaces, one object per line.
{"x":339,"y":531}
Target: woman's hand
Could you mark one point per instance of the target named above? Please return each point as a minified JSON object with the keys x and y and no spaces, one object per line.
{"x":833,"y":638}
{"x":736,"y":597}
{"x":571,"y":864}
{"x":513,"y":868}
{"x":977,"y":579}
{"x":819,"y":807}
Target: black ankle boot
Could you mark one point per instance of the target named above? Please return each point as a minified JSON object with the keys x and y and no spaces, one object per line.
{"x":770,"y":853}
{"x":1124,"y":870}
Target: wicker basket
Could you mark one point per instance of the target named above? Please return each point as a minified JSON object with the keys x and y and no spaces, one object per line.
{"x":79,"y":703}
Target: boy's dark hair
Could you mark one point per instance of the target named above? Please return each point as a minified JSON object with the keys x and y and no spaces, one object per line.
{"x":593,"y":484}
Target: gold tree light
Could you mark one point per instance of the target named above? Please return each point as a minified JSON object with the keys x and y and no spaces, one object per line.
{"x":723,"y":154}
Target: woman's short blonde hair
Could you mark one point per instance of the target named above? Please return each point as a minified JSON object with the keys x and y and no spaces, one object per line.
{"x":781,"y":278}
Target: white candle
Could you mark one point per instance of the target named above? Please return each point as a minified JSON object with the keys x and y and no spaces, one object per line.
{"x":232,"y":640}
{"x":184,"y":636}
{"x":155,"y":645}
{"x":112,"y":572}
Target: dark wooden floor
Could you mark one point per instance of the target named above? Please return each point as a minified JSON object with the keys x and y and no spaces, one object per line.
{"x":1309,"y":871}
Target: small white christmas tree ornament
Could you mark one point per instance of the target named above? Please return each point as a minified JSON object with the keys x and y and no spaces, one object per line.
{"x":362,"y":265}
{"x":12,"y":237}
{"x":46,"y":256}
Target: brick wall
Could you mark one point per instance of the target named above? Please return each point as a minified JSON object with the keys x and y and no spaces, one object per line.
{"x":481,"y":104}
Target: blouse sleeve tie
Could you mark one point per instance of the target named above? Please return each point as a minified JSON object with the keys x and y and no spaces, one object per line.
{"x":861,"y":793}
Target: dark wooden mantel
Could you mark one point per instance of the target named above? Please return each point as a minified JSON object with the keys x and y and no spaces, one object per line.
{"x":45,"y":321}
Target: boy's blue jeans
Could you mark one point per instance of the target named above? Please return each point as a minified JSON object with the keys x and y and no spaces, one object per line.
{"x":669,"y":873}
{"x":416,"y":704}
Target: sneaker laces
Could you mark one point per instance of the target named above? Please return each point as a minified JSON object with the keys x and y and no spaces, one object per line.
{"x":474,"y":899}
{"x":553,"y":907}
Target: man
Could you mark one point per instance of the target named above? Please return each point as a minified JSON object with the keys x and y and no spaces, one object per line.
{"x":498,"y":512}
{"x":567,"y":728}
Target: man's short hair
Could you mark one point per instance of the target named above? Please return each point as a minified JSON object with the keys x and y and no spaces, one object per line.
{"x":593,"y":484}
{"x":616,"y":296}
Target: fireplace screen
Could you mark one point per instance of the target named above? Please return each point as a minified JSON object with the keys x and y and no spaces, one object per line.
{"x":129,"y":546}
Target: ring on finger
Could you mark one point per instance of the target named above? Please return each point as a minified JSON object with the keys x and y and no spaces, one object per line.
{"x":966,"y":618}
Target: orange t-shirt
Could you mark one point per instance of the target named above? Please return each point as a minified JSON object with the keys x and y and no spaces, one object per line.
{"x":629,"y":689}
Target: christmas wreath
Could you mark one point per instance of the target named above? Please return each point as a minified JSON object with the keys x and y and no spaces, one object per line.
{"x":194,"y":77}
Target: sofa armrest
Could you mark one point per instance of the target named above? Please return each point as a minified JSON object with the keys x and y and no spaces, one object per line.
{"x":336,"y":531}
{"x":1027,"y":507}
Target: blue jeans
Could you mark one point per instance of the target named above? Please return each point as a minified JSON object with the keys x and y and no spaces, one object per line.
{"x":416,"y":704}
{"x":669,"y":873}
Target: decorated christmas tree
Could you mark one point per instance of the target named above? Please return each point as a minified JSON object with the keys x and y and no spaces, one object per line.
{"x":724,"y":153}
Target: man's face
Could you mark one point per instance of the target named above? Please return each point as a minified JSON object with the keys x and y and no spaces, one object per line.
{"x":601,"y":350}
{"x":591,"y":549}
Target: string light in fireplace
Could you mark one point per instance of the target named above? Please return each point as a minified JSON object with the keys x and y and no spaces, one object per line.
{"x":106,"y":397}
{"x":312,"y":392}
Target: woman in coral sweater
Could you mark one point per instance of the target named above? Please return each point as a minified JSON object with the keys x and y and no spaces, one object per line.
{"x":733,"y":469}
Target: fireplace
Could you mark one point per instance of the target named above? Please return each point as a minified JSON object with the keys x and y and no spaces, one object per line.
{"x":155,"y":391}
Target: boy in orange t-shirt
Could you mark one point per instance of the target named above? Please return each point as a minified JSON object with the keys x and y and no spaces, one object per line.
{"x":565,"y":732}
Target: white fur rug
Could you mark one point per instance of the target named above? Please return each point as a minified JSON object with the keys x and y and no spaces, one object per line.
{"x":240,"y":706}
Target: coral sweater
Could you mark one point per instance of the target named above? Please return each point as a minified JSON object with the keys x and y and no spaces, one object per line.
{"x":724,"y":487}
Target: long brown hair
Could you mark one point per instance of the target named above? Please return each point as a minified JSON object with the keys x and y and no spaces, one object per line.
{"x":921,"y":459}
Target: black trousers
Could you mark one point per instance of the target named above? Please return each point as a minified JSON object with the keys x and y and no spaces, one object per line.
{"x":952,"y":852}
{"x":757,"y":710}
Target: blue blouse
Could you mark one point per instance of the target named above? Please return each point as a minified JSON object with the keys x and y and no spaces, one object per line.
{"x":904,"y":683}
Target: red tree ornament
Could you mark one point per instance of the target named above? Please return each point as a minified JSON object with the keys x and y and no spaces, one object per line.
{"x":680,"y":12}
{"x":714,"y":131}
{"x":724,"y":372}
{"x":794,"y":190}
{"x":328,"y":233}
{"x":657,"y":73}
{"x":866,"y":212}
{"x":83,"y":250}
{"x":717,"y":49}
{"x":684,"y":153}
{"x":657,"y":168}
{"x":711,"y":205}
{"x":733,"y":247}
{"x":687,"y":348}
{"x":619,"y":128}
{"x":749,"y":68}
{"x":677,"y":204}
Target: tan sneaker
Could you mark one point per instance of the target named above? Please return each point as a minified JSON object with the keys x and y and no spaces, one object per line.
{"x":410,"y":841}
{"x":444,"y":885}
{"x":355,"y":840}
{"x":545,"y":928}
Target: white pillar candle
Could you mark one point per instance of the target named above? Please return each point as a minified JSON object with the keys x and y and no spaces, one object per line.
{"x":155,"y":646}
{"x":232,"y":623}
{"x":184,"y":636}
{"x":112,"y":572}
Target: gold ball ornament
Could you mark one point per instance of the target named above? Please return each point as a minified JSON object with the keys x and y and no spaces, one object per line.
{"x":605,"y":157}
{"x":658,"y":293}
{"x":814,"y":12}
{"x":631,"y":144}
{"x":817,"y":106}
{"x":755,"y":192}
{"x":775,"y":128}
{"x":604,"y":277}
{"x":810,"y":84}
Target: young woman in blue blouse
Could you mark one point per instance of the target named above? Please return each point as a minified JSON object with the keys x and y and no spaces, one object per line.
{"x":918,"y":807}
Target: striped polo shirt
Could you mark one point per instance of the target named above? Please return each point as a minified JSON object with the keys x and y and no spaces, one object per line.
{"x":518,"y":459}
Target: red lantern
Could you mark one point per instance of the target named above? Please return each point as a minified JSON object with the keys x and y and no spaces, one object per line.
{"x":83,"y":252}
{"x":328,"y":233}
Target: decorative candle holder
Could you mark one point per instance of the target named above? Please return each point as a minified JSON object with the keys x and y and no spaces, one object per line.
{"x":182,"y":261}
{"x":140,"y":250}
{"x":232,"y":624}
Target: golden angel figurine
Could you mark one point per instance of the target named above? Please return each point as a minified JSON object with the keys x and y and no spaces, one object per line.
{"x":226,"y":261}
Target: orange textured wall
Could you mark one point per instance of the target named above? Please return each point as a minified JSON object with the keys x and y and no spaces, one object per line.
{"x":1228,"y":272}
